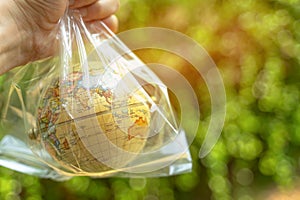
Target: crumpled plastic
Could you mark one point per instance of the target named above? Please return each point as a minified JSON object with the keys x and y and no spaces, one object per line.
{"x":94,"y":110}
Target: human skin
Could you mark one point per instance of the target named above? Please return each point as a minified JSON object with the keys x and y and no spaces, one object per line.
{"x":27,"y":27}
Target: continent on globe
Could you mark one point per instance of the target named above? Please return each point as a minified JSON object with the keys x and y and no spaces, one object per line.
{"x":85,"y":128}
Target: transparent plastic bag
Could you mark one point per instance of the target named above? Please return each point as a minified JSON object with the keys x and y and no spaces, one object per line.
{"x":95,"y":110}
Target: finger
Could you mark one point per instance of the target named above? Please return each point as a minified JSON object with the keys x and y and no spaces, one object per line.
{"x":96,"y":26}
{"x":112,"y":22}
{"x":99,"y":10}
{"x":80,"y":3}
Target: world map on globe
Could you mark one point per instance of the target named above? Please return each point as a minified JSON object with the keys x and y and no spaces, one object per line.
{"x":84,"y":128}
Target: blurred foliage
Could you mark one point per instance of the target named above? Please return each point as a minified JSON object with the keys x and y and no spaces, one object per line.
{"x":256,"y":46}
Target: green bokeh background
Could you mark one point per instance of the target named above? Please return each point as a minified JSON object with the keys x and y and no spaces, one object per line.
{"x":255,"y":44}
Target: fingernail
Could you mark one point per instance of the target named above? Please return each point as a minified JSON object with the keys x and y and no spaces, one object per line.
{"x":83,"y":12}
{"x":71,"y":2}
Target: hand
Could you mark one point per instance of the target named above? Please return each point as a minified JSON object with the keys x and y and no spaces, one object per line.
{"x":27,"y":26}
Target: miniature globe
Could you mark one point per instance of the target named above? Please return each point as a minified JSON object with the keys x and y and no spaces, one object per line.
{"x":84,"y":128}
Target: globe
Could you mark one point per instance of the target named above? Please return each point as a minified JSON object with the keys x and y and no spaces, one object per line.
{"x":85,"y":129}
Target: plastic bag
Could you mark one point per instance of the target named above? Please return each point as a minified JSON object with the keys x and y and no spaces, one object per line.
{"x":95,"y":110}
